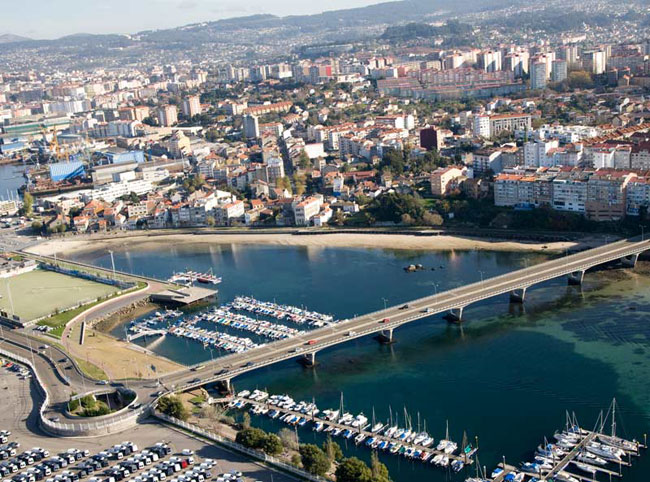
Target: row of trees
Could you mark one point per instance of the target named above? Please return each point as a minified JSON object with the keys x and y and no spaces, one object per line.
{"x":401,"y":208}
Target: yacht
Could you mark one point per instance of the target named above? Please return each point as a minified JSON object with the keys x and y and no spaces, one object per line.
{"x":586,"y":467}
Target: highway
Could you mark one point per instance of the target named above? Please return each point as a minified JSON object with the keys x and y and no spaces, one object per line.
{"x":228,"y":367}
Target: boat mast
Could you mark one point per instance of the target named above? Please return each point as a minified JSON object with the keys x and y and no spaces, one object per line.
{"x":614,"y":417}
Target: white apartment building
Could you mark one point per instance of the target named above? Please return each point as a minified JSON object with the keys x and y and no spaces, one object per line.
{"x":569,"y":194}
{"x":305,"y":210}
{"x":111,"y":191}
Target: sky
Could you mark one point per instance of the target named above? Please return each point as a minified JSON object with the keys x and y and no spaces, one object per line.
{"x":46,"y":19}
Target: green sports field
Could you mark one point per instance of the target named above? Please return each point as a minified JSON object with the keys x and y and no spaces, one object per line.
{"x":39,"y":293}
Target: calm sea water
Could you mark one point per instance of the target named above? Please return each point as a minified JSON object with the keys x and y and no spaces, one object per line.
{"x":11,"y":178}
{"x":506,"y":376}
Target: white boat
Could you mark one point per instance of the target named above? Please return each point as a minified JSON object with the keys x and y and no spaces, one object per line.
{"x":590,"y":458}
{"x":586,"y":467}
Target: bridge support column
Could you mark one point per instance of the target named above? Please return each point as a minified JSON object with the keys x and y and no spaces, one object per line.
{"x":386,"y":336}
{"x":225,"y":386}
{"x":518,"y":295}
{"x":308,"y":360}
{"x":455,"y":315}
{"x":576,"y":277}
{"x":630,"y":261}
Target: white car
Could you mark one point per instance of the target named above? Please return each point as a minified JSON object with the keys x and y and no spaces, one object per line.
{"x":187,"y":452}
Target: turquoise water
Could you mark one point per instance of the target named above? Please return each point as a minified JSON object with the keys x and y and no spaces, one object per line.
{"x":506,"y":376}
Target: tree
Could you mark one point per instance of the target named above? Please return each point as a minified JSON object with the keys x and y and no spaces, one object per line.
{"x":173,"y":406}
{"x":432,"y":219}
{"x":299,"y":181}
{"x":303,"y":160}
{"x":210,"y":221}
{"x":246,"y":420}
{"x":391,"y":206}
{"x":332,"y":449}
{"x":338,"y":218}
{"x":288,"y":438}
{"x":379,"y":470}
{"x":272,"y":445}
{"x":314,"y":460}
{"x":37,"y":226}
{"x":407,"y":220}
{"x":353,"y":470}
{"x":252,"y":438}
{"x":28,"y":204}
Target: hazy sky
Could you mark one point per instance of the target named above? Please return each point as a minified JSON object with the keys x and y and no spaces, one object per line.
{"x":55,"y":18}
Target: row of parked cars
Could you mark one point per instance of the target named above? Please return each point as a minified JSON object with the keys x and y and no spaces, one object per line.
{"x":119,"y":463}
{"x":22,"y":372}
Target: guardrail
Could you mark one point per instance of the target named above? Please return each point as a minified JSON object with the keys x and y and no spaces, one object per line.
{"x":234,"y":446}
{"x":98,"y":427}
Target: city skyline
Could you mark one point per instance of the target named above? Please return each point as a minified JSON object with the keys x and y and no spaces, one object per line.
{"x":70,"y":17}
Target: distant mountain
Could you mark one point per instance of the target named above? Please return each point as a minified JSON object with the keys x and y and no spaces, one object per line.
{"x":8,"y":38}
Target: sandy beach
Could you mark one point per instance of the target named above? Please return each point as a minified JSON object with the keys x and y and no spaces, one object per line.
{"x":353,"y":240}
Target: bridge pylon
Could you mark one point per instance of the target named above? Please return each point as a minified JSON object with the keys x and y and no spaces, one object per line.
{"x":385,"y":337}
{"x":455,"y":315}
{"x":576,"y":277}
{"x":518,"y":295}
{"x":308,"y":360}
{"x":630,"y":261}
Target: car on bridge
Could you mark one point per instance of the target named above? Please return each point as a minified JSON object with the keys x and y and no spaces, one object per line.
{"x":404,"y":307}
{"x":312,"y":342}
{"x":385,"y":320}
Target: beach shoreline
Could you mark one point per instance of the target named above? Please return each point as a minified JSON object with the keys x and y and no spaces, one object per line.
{"x":396,"y":241}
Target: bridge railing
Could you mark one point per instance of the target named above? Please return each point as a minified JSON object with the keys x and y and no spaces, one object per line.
{"x":233,"y":446}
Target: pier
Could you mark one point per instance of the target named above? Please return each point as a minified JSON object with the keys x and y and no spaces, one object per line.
{"x":430,"y":451}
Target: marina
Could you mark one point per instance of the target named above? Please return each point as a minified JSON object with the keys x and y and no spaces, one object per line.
{"x":208,"y":338}
{"x":410,"y":442}
{"x":281,"y":312}
{"x":577,"y":455}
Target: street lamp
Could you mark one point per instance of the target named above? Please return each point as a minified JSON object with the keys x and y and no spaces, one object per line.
{"x":435,"y":287}
{"x":481,"y":275}
{"x":385,"y":300}
{"x":642,"y":232}
{"x":112,"y":262}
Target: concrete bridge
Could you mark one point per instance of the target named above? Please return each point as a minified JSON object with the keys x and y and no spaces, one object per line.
{"x":384,"y":322}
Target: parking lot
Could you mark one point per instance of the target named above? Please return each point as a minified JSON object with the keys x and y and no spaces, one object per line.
{"x":21,"y":419}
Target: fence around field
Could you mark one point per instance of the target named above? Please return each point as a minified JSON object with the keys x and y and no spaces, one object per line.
{"x":255,"y":454}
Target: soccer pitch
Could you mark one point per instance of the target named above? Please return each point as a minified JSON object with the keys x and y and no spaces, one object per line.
{"x":40,"y":293}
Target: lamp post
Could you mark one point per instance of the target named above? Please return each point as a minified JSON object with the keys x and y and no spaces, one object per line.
{"x":385,"y":300}
{"x":112,"y":262}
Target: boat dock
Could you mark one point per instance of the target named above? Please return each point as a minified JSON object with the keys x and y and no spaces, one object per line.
{"x":183,"y":296}
{"x":579,"y":456}
{"x":361,"y":435}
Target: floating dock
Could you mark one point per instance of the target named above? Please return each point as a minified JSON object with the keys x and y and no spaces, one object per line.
{"x":183,"y":296}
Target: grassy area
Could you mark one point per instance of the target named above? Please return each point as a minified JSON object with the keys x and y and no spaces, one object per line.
{"x":197,"y":400}
{"x":39,"y":293}
{"x":93,"y":371}
{"x":60,"y":320}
